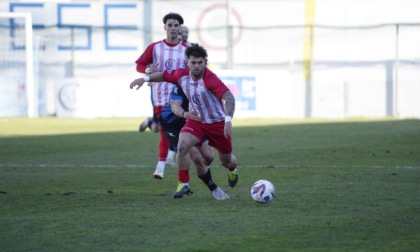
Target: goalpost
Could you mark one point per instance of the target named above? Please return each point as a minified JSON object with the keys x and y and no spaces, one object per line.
{"x":8,"y":37}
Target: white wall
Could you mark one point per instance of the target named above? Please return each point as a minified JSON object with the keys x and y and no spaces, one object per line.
{"x":276,"y":94}
{"x":354,"y":66}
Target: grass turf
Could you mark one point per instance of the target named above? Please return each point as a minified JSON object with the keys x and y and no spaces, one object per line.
{"x":86,"y":185}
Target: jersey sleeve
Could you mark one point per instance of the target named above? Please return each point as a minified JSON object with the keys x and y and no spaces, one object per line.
{"x":145,"y":59}
{"x":173,"y":76}
{"x":214,"y":84}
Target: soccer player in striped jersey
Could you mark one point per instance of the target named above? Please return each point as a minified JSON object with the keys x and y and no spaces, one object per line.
{"x":202,"y":155}
{"x":213,"y":104}
{"x":167,"y":54}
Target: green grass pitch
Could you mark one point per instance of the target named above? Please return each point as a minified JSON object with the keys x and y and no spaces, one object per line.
{"x":86,"y":185}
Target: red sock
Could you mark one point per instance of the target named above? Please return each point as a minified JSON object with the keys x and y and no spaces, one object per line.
{"x":183,"y":176}
{"x":163,"y":145}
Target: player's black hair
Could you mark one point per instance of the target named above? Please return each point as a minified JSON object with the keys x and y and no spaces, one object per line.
{"x":173,"y":15}
{"x":197,"y":51}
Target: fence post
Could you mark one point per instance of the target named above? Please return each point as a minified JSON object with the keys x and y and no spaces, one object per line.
{"x":396,"y":65}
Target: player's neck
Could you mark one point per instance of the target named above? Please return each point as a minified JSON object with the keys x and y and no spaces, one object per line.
{"x":172,"y":40}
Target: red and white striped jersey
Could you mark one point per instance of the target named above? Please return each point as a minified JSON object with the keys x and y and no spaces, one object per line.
{"x":205,"y":95}
{"x":169,"y":57}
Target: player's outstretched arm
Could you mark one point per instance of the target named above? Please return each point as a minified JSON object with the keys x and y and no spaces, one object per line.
{"x":138,"y":83}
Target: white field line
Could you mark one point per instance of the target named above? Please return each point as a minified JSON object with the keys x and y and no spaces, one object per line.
{"x":242,"y":166}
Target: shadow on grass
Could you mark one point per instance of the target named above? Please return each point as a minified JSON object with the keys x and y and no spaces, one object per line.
{"x":338,"y":143}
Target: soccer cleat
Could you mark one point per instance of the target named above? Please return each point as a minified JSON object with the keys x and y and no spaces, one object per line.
{"x":233,"y":177}
{"x":219,"y":194}
{"x":170,"y":161}
{"x":159,"y":172}
{"x":181,"y":190}
{"x":146,"y":124}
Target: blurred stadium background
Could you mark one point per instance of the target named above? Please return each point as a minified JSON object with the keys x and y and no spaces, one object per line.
{"x":283,"y":59}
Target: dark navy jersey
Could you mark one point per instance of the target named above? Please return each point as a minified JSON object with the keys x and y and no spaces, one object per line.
{"x":176,"y":94}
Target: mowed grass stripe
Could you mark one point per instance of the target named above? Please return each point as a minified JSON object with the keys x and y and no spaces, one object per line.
{"x":86,"y":185}
{"x":241,"y":166}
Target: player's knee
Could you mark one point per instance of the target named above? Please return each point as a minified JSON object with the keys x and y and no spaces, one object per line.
{"x":182,"y":148}
{"x":208,"y":157}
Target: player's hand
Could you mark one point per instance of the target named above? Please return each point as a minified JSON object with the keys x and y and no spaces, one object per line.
{"x":193,"y":116}
{"x":228,"y":129}
{"x":137,"y":82}
{"x":153,"y":68}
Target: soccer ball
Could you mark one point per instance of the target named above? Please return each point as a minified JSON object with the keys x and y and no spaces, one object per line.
{"x":263,"y":191}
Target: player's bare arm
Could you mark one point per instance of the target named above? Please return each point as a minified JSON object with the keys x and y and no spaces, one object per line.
{"x":229,"y":100}
{"x":176,"y":107}
{"x":179,"y":111}
{"x":138,"y":83}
